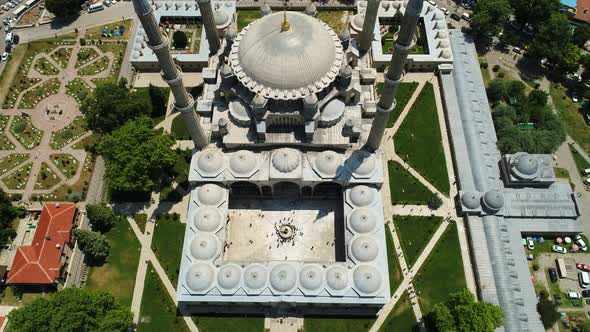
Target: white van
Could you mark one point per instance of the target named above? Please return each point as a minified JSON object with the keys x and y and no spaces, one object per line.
{"x":466,"y":17}
{"x":586,"y":171}
{"x":9,"y":38}
{"x":584,"y":279}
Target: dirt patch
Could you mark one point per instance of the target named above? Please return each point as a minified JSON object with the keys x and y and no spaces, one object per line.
{"x":10,"y":70}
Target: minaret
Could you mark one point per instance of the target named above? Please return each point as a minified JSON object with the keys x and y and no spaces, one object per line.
{"x":393,"y":74}
{"x":368,"y":33}
{"x":209,"y":23}
{"x":183,"y":101}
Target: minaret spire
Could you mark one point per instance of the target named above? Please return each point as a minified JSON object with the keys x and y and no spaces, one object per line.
{"x":393,"y":74}
{"x":171,"y":74}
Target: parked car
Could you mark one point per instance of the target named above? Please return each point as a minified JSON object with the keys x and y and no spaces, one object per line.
{"x":529,"y":243}
{"x":575,"y":97}
{"x":573,"y":295}
{"x":445,"y":11}
{"x":586,"y":171}
{"x":583,"y":267}
{"x":530,"y":257}
{"x":587,"y":181}
{"x":4,"y":56}
{"x":584,"y":279}
{"x":559,"y":249}
{"x":586,"y":293}
{"x":517,"y":50}
{"x":553,"y":274}
{"x":455,"y":17}
{"x":580,"y":242}
{"x":432,"y":3}
{"x":587,"y":301}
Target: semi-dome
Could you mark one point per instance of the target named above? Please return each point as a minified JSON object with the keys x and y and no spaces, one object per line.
{"x":285,"y":160}
{"x":311,"y":277}
{"x":364,"y":248}
{"x":222,"y":19}
{"x":357,"y":22}
{"x":526,"y":164}
{"x":286,"y":63}
{"x":239,"y":112}
{"x":493,"y":200}
{"x":255,"y":276}
{"x":333,"y":111}
{"x":265,"y":9}
{"x":361,"y":163}
{"x":470,"y":199}
{"x":229,"y":276}
{"x":362,"y":220}
{"x":200,"y":277}
{"x":328,"y":163}
{"x":283,"y":277}
{"x":337,"y":277}
{"x":207,"y":219}
{"x":362,"y":195}
{"x":243,"y":162}
{"x":210,"y":162}
{"x":367,"y":279}
{"x":210,"y":194}
{"x":204,"y":247}
{"x":311,"y":10}
{"x":344,"y":34}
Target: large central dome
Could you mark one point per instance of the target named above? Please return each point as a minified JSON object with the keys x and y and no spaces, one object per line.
{"x":289,"y":64}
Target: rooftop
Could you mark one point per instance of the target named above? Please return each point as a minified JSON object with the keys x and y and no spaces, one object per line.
{"x":40,"y":262}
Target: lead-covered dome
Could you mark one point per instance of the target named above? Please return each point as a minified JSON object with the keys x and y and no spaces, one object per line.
{"x":200,"y":277}
{"x":255,"y":276}
{"x":285,"y":160}
{"x":364,"y":248}
{"x":337,"y":277}
{"x":204,"y":247}
{"x":207,"y":219}
{"x":229,"y":276}
{"x":526,"y":164}
{"x":283,"y":277}
{"x":367,"y":279}
{"x":289,"y":64}
{"x":311,"y":277}
{"x":493,"y":200}
{"x":362,"y":220}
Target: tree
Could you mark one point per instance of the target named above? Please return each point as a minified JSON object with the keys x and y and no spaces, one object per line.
{"x":463,"y":314}
{"x":534,"y":12}
{"x":63,"y":8}
{"x":133,"y":153}
{"x":548,"y":311}
{"x":434,"y":202}
{"x":179,"y":39}
{"x":101,"y":217}
{"x":159,"y":100}
{"x":489,"y":17}
{"x":92,"y":244}
{"x":7,"y":215}
{"x":554,"y":42}
{"x":72,"y":309}
{"x":111,"y":105}
{"x":581,"y":35}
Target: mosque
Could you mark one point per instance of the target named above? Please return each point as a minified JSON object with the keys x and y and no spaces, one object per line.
{"x":286,"y":209}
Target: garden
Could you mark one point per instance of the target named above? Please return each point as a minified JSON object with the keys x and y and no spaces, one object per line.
{"x":18,"y":179}
{"x":169,"y":230}
{"x":32,"y":97}
{"x":22,"y":129}
{"x":78,"y":88}
{"x":246,"y":17}
{"x":66,"y":163}
{"x":95,"y":67}
{"x":118,"y":51}
{"x":404,"y":187}
{"x":11,"y":161}
{"x":5,"y":143}
{"x":404,"y":93}
{"x":420,"y":131}
{"x":68,"y":134}
{"x":336,"y":19}
{"x":117,"y":30}
{"x":44,"y":67}
{"x":75,"y":192}
{"x":414,"y":233}
{"x":62,"y":55}
{"x":47,"y":178}
{"x":85,"y":55}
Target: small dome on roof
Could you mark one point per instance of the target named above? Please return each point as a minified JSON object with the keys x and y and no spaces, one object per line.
{"x":367,"y":279}
{"x":207,"y":219}
{"x":470,"y":199}
{"x":210,"y":194}
{"x":230,"y":34}
{"x":259,"y":100}
{"x":441,"y":35}
{"x":344,"y":34}
{"x":362,"y":220}
{"x":135,"y":55}
{"x":226,"y":71}
{"x":361,"y":163}
{"x":283,"y":277}
{"x":204,"y":247}
{"x":200,"y":277}
{"x":229,"y":276}
{"x":357,"y":22}
{"x":243,"y":162}
{"x":255,"y":276}
{"x":362,"y":195}
{"x":445,"y":54}
{"x":311,"y":10}
{"x":362,"y":4}
{"x":438,"y":16}
{"x":286,"y":160}
{"x":332,"y":112}
{"x":526,"y":164}
{"x":443,"y":44}
{"x":345,"y":72}
{"x":385,"y":5}
{"x":265,"y":9}
{"x":493,"y":199}
{"x":222,"y":20}
{"x":210,"y":162}
{"x":439,"y":25}
{"x":311,"y":277}
{"x":239,"y":111}
{"x":364,"y":248}
{"x":328,"y":162}
{"x":337,"y":277}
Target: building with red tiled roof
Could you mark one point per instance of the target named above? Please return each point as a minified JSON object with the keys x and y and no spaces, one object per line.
{"x":582,"y":10}
{"x":45,"y":260}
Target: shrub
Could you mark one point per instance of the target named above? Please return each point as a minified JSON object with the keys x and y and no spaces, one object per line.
{"x":496,"y":68}
{"x":179,"y":39}
{"x":536,"y":266}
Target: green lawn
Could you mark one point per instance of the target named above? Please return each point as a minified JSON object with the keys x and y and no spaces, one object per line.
{"x":245,"y":17}
{"x":5,"y":143}
{"x":32,"y":97}
{"x":419,"y":142}
{"x":395,"y":272}
{"x":414,"y":232}
{"x":561,"y":172}
{"x":140,"y":220}
{"x":338,"y":324}
{"x":401,"y":318}
{"x":158,"y":312}
{"x":229,"y":323}
{"x":68,"y":134}
{"x":159,"y":105}
{"x":11,"y":161}
{"x":581,"y":162}
{"x":44,"y":67}
{"x":76,"y":191}
{"x":118,"y":51}
{"x":545,"y":247}
{"x":78,"y":89}
{"x":62,"y":56}
{"x":334,"y":18}
{"x":404,"y":93}
{"x":404,"y":187}
{"x":18,"y":179}
{"x":570,"y":114}
{"x":96,"y":32}
{"x":22,"y":129}
{"x":179,"y":130}
{"x":66,"y":163}
{"x":85,"y":55}
{"x":167,"y":243}
{"x":117,"y":274}
{"x":442,"y":273}
{"x":95,"y":68}
{"x":47,"y":178}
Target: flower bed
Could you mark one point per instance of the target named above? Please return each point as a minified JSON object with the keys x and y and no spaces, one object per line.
{"x":22,"y":129}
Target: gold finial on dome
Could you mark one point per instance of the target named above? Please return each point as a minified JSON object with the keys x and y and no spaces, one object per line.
{"x":285,"y":26}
